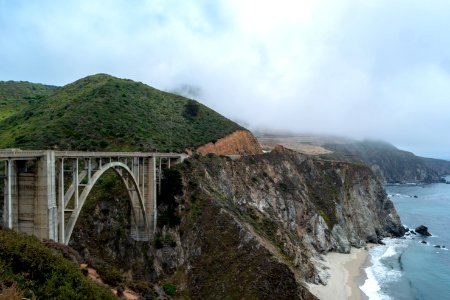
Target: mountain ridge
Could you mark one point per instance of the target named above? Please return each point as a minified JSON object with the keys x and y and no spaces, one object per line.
{"x":102,"y":112}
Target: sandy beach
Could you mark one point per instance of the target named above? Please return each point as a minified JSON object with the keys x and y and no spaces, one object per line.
{"x":345,"y":276}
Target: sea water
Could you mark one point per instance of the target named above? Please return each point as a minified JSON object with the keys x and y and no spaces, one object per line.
{"x":406,"y":268}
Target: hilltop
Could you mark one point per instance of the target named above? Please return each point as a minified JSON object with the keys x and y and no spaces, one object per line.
{"x":102,"y":112}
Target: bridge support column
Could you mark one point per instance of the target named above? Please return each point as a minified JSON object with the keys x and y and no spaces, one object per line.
{"x":45,"y":209}
{"x":150,"y":194}
{"x":61,"y":203}
{"x":10,"y":193}
{"x":140,"y":232}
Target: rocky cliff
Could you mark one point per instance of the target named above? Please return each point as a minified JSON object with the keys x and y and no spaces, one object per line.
{"x":258,"y":225}
{"x":251,"y":228}
{"x":237,"y":143}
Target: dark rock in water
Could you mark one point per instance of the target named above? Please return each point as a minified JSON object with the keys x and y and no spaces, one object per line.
{"x":423,"y":230}
{"x":415,"y":196}
{"x":413,"y":232}
{"x":437,"y":246}
{"x":407,"y":233}
{"x":423,"y":242}
{"x":442,"y":180}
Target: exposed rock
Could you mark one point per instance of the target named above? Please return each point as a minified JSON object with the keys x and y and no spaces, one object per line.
{"x":293,"y":207}
{"x":239,"y":142}
{"x":423,"y":230}
{"x":423,"y":242}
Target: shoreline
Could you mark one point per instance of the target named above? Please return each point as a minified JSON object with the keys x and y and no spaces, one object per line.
{"x":346,"y":275}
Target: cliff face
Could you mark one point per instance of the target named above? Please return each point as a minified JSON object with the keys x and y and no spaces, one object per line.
{"x":237,"y":143}
{"x":249,"y":228}
{"x":287,"y":208}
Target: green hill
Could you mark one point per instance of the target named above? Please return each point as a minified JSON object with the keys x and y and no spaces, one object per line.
{"x":15,"y":96}
{"x":101,"y":112}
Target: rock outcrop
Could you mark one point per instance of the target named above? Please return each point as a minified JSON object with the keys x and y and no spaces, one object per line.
{"x":423,"y":230}
{"x":240,"y":142}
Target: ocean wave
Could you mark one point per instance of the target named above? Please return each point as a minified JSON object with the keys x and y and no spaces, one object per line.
{"x":386,"y":267}
{"x":371,"y":287}
{"x":390,"y":251}
{"x":400,"y":195}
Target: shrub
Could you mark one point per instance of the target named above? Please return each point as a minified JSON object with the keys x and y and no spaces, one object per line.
{"x":170,"y":289}
{"x":158,"y":242}
{"x":191,"y":109}
{"x":110,"y":275}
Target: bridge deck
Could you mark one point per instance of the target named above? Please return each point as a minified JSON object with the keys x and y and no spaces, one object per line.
{"x":33,"y":154}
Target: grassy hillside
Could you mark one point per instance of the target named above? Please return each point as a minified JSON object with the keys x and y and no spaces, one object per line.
{"x":15,"y":96}
{"x":101,"y":112}
{"x":31,"y":270}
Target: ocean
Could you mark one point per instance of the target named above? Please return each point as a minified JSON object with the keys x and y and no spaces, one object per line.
{"x":406,"y":268}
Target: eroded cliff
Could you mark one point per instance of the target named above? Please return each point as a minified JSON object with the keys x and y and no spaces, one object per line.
{"x":251,"y":228}
{"x":244,"y":221}
{"x":237,"y":143}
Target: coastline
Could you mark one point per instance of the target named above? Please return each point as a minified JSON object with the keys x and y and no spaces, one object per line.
{"x":346,"y":275}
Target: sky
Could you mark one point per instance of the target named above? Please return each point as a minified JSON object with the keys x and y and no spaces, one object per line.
{"x":377,"y":69}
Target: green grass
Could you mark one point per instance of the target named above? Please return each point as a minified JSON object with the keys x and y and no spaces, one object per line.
{"x":101,"y":112}
{"x":15,"y":96}
{"x":36,"y":271}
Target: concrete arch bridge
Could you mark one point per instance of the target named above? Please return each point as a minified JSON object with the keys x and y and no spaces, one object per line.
{"x":44,"y":191}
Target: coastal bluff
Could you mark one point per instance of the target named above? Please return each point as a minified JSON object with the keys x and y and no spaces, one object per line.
{"x":272,"y":217}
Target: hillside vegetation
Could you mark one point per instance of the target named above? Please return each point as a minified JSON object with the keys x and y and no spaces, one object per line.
{"x":101,"y":112}
{"x":15,"y":96}
{"x":30,"y":269}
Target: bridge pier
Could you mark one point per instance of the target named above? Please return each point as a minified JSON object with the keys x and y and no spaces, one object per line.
{"x":42,"y":197}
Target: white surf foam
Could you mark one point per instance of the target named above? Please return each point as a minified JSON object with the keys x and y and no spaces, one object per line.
{"x":390,"y":251}
{"x":371,"y":287}
{"x":378,"y":274}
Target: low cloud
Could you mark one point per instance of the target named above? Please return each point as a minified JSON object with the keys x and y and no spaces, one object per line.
{"x":376,"y":69}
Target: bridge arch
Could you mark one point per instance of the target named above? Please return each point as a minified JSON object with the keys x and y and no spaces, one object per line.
{"x":136,"y":198}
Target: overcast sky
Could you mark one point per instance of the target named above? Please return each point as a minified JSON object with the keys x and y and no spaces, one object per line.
{"x":357,"y":68}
